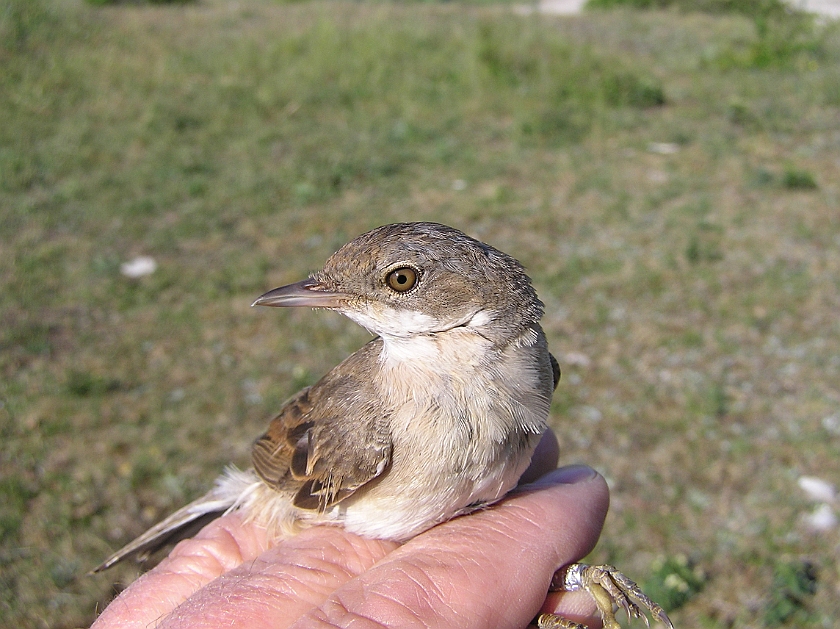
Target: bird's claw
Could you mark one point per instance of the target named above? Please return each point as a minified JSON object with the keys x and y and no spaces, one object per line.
{"x":611,"y":590}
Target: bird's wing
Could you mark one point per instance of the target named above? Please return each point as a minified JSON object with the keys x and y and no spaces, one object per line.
{"x":184,"y":523}
{"x":314,"y":451}
{"x":555,"y":370}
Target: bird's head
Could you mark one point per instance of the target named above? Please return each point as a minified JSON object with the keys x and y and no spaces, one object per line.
{"x":406,"y":279}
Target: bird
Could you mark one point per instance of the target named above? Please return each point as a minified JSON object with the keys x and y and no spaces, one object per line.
{"x":437,"y":416}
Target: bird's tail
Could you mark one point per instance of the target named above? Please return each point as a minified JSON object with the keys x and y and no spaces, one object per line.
{"x":232,"y":488}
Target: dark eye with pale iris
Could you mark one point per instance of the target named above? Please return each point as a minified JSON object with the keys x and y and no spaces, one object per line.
{"x":402,"y":279}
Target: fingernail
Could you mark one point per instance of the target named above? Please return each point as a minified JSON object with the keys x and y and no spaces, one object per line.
{"x":569,"y":475}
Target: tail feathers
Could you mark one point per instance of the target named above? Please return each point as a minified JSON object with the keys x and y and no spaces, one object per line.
{"x":185,"y":522}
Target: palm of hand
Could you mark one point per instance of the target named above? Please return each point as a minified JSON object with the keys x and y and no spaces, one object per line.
{"x":489,"y":569}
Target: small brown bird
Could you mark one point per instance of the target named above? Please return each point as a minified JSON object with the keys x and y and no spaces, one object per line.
{"x":435,"y":417}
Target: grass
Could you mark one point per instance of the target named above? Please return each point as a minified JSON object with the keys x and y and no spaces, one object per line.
{"x":691,"y":292}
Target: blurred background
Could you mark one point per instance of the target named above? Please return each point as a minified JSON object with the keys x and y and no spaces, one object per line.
{"x":667,"y":171}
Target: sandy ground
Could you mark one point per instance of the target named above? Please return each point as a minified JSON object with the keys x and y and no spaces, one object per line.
{"x":828,"y":8}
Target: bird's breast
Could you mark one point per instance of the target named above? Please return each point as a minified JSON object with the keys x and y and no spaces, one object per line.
{"x":458,"y":386}
{"x":465,"y":417}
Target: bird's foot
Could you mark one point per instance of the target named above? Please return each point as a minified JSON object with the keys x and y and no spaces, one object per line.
{"x":552,"y":621}
{"x":610,"y":589}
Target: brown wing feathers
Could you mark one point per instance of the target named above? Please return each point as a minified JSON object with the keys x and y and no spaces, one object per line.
{"x":281,"y":453}
{"x":310,"y":452}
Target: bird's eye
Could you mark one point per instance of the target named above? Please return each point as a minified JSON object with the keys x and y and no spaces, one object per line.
{"x":402,"y":279}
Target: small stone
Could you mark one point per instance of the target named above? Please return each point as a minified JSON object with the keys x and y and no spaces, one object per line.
{"x":822,"y":518}
{"x":138,"y":267}
{"x":817,"y":489}
{"x":832,"y":424}
{"x":663,"y":148}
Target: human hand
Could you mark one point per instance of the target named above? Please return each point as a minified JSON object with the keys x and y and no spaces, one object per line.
{"x":489,"y":569}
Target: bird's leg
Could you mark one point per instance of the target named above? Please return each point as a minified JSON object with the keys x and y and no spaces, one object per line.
{"x":610,"y":589}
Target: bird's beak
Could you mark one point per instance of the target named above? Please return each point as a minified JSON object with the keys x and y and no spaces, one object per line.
{"x":308,"y":293}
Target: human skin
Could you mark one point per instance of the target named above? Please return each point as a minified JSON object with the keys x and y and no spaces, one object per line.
{"x":489,"y":569}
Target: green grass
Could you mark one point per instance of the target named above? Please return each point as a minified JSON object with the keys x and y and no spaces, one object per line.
{"x":691,"y":293}
{"x":743,"y":7}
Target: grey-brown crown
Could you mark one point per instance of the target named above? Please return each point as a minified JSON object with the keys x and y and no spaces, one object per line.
{"x":456,"y":277}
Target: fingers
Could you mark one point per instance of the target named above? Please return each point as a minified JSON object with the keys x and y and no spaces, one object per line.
{"x":282,"y":584}
{"x":489,"y":569}
{"x":219,"y":547}
{"x":544,"y":459}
